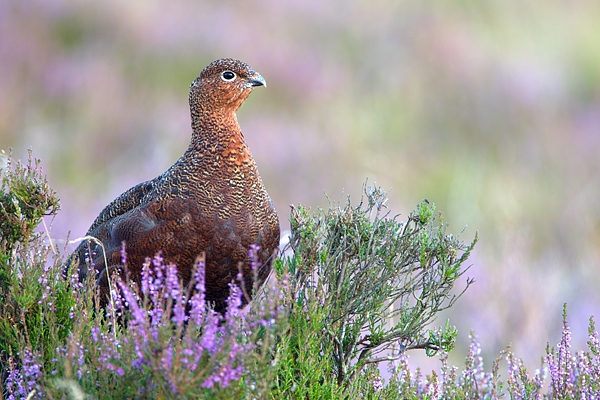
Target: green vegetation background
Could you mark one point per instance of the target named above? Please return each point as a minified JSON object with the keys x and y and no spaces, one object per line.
{"x":490,"y":109}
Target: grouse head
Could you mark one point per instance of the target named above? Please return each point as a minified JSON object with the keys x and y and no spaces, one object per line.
{"x":223,"y":86}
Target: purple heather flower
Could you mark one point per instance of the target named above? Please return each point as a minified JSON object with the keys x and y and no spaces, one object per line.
{"x":255,"y":264}
{"x":167,"y":358}
{"x":193,"y":351}
{"x":141,"y":360}
{"x":234,"y":302}
{"x":172,"y":288}
{"x":95,"y":331}
{"x":377,"y":384}
{"x":226,"y":373}
{"x":540,"y":377}
{"x":157,"y":261}
{"x":146,"y":278}
{"x":593,"y":343}
{"x":14,"y":381}
{"x":209,"y":335}
{"x":179,"y":315}
{"x":80,"y":359}
{"x":517,"y":376}
{"x":27,"y":378}
{"x":198,"y":301}
{"x":139,"y":315}
{"x":123,"y":254}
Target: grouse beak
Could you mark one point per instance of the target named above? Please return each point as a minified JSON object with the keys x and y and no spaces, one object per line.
{"x":257,"y":80}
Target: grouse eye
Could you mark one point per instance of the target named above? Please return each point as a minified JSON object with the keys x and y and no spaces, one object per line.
{"x":228,"y":76}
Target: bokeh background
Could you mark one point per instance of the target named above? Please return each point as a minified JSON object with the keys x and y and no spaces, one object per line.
{"x":490,"y":109}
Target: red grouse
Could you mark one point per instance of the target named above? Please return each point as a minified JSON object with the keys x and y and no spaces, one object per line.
{"x":212,"y":200}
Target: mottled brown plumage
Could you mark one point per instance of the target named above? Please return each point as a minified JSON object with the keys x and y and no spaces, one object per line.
{"x":212,"y":200}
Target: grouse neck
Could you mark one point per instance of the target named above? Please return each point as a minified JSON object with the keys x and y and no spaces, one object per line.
{"x":216,"y":127}
{"x":218,"y":140}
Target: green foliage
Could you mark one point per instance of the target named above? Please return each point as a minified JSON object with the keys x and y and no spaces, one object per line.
{"x":24,"y":199}
{"x":303,"y":366}
{"x":34,"y":302}
{"x":377,"y":283}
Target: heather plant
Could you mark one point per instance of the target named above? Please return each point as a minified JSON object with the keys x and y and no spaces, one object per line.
{"x":170,"y":343}
{"x":371,"y":284}
{"x":156,"y":340}
{"x":573,"y":375}
{"x":562,"y":375}
{"x":35,"y":306}
{"x":25,"y":197}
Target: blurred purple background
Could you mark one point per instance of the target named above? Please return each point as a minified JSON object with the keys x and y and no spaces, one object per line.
{"x":491,"y":110}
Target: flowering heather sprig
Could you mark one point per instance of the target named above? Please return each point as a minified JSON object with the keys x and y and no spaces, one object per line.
{"x":560,"y":364}
{"x":197,"y":302}
{"x":47,"y":296}
{"x":123,"y":254}
{"x":593,"y":343}
{"x":234,"y":302}
{"x":400,"y":371}
{"x":448,"y":374}
{"x":473,"y":382}
{"x":139,"y":316}
{"x":76,"y":285}
{"x":593,"y":357}
{"x":255,"y":263}
{"x":229,"y":371}
{"x":578,"y":375}
{"x":23,"y":382}
{"x":473,"y":373}
{"x":519,"y":383}
{"x":155,"y":285}
{"x":14,"y":382}
{"x":409,"y":383}
{"x":270,"y":306}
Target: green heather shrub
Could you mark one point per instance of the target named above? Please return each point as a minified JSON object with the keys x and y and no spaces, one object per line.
{"x":370,"y":285}
{"x":25,"y":197}
{"x":358,"y":290}
{"x":27,"y":264}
